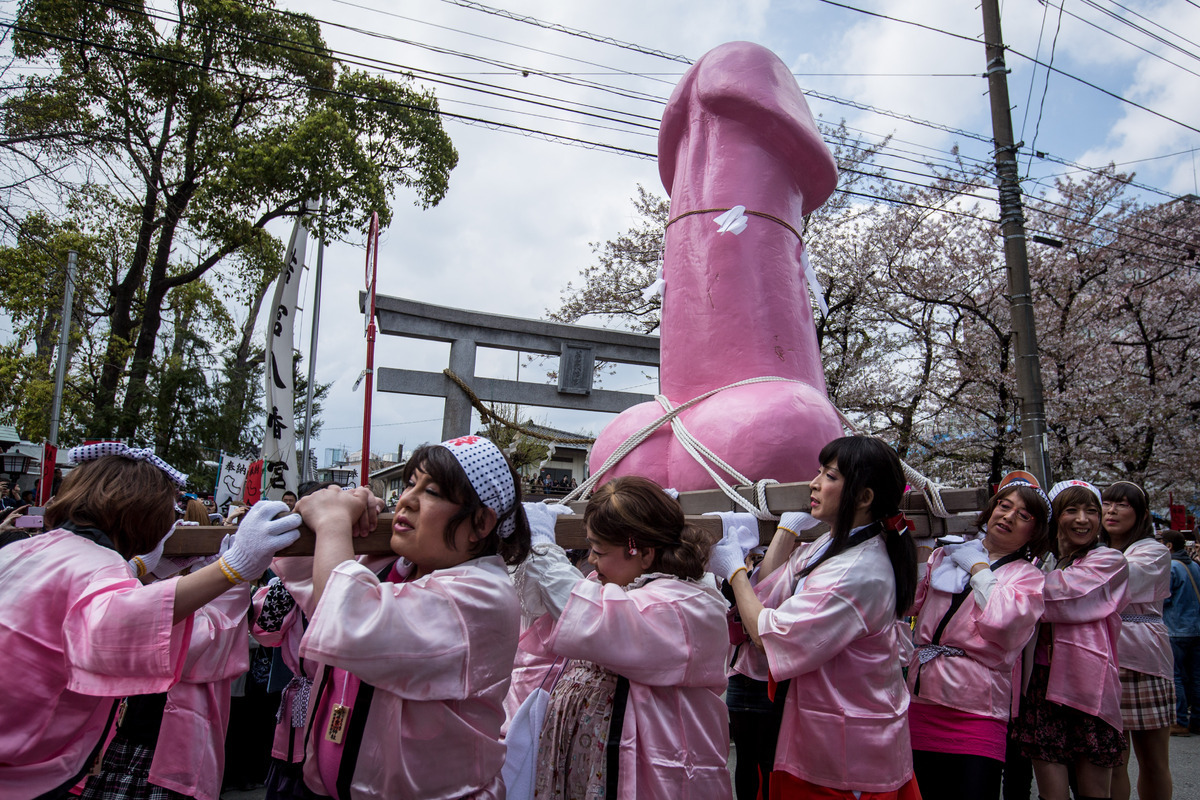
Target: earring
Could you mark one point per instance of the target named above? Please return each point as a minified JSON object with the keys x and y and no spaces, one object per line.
{"x":633,"y":551}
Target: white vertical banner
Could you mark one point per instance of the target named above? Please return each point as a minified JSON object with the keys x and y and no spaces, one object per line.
{"x":230,"y":479}
{"x":279,"y":440}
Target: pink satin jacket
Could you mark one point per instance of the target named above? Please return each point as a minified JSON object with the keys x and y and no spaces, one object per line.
{"x":1145,"y":646}
{"x":845,"y":722}
{"x":668,"y":637}
{"x":992,"y":638}
{"x":190,"y":755}
{"x":439,"y":651}
{"x":288,"y":744}
{"x":1083,"y":602}
{"x":77,"y":631}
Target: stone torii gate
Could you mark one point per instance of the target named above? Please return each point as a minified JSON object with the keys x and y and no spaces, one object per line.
{"x":577,"y":347}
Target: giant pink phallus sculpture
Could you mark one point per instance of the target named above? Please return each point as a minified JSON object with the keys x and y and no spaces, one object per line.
{"x":736,"y":132}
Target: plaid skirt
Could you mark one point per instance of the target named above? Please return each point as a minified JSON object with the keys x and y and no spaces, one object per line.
{"x":1147,"y":701}
{"x":1048,"y":731}
{"x":125,"y":775}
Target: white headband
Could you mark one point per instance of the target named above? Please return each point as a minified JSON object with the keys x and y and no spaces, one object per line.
{"x":489,"y":474}
{"x":1057,"y":488}
{"x":90,"y":452}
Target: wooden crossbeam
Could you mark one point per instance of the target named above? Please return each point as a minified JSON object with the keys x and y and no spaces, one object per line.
{"x":963,"y":503}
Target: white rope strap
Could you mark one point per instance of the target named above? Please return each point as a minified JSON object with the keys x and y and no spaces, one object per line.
{"x":693,"y":447}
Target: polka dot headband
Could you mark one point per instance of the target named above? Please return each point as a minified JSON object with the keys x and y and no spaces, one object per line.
{"x":489,"y":474}
{"x":91,"y":452}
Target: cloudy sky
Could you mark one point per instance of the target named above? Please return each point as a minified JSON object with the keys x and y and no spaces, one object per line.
{"x":557,"y":105}
{"x":523,"y":209}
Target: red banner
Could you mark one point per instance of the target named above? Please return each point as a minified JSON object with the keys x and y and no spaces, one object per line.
{"x":252,"y":488}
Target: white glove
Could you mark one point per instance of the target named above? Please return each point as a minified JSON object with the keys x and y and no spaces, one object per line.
{"x":169,"y":567}
{"x":258,"y":538}
{"x":148,"y":561}
{"x":737,"y":519}
{"x":968,"y":554}
{"x":797,"y":521}
{"x":542,"y":518}
{"x":729,"y":554}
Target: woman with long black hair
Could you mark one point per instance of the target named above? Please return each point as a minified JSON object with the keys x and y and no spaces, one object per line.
{"x":827,"y":623}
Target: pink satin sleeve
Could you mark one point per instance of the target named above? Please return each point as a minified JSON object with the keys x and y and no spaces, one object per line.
{"x":415,"y":639}
{"x":662,"y":634}
{"x":118,"y":638}
{"x":1089,"y":590}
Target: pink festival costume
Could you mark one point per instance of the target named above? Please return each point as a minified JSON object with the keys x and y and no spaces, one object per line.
{"x":77,"y":631}
{"x":845,"y":723}
{"x":991,"y":637}
{"x":736,"y":131}
{"x":190,"y":755}
{"x":439,"y":653}
{"x":1083,"y":602}
{"x":288,"y":744}
{"x":669,"y":639}
{"x":675,"y":740}
{"x":1144,"y":646}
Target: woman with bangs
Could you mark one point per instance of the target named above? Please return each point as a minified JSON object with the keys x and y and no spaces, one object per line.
{"x":1071,"y":716}
{"x":976,"y":609}
{"x":1144,"y":652}
{"x":415,"y":649}
{"x":641,"y":647}
{"x":825,"y":615}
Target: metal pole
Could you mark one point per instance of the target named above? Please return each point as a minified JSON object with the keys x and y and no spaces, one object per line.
{"x":64,"y":338}
{"x":306,"y":469}
{"x":372,"y":273}
{"x":1012,"y":226}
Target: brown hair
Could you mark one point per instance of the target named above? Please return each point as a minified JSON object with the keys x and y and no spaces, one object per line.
{"x":1072,"y":496}
{"x":196,"y":512}
{"x":635,"y":508}
{"x":130,"y":500}
{"x":441,"y":465}
{"x":1039,"y":540}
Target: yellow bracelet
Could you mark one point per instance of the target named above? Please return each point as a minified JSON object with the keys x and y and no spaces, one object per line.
{"x":229,"y":572}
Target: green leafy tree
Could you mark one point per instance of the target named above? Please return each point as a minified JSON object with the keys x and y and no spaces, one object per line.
{"x":200,"y":124}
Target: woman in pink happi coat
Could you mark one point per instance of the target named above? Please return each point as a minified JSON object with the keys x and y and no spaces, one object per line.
{"x":976,"y":609}
{"x":172,"y":744}
{"x":828,"y":625}
{"x":78,"y":627}
{"x":416,"y":652}
{"x":641,"y":646}
{"x":1071,"y":713}
{"x":1147,"y":666}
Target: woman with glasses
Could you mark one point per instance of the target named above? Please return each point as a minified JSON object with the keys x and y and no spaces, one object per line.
{"x":1071,"y":714}
{"x":976,"y":608}
{"x":1144,"y":651}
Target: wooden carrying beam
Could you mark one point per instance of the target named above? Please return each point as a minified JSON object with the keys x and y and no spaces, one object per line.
{"x":964,"y":505}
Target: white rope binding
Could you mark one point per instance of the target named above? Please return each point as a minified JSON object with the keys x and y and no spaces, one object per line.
{"x":695,"y":448}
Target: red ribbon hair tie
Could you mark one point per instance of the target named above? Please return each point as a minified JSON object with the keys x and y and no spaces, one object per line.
{"x":899,"y":523}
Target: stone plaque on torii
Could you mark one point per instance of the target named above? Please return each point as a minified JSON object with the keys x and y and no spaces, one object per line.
{"x":578,"y":348}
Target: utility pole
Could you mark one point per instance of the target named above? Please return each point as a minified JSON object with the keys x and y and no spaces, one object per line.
{"x":1012,"y":227}
{"x":64,"y":339}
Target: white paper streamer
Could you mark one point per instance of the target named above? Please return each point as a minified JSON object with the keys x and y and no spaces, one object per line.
{"x":732,"y":221}
{"x":814,"y":285}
